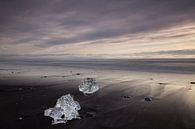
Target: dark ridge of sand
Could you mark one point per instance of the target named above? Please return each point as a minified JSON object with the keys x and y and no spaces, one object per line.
{"x":24,"y":99}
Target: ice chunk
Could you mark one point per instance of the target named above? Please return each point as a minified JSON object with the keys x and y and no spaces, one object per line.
{"x":89,"y":86}
{"x":65,"y":109}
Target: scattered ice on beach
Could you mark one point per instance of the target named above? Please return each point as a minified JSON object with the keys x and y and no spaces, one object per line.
{"x":65,"y":109}
{"x":89,"y":86}
{"x":20,"y":118}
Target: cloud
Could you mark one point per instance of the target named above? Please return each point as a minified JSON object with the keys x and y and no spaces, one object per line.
{"x":172,"y":52}
{"x":41,"y":26}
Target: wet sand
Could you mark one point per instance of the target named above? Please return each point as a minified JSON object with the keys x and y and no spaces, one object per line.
{"x":119,"y":104}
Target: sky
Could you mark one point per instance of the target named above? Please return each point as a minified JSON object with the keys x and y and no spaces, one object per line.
{"x":97,"y":28}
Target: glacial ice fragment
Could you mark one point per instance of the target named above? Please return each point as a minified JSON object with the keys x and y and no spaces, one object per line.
{"x":89,"y":86}
{"x":65,"y":109}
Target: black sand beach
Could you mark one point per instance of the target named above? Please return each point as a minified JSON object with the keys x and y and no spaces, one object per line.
{"x":23,"y":101}
{"x":119,"y":104}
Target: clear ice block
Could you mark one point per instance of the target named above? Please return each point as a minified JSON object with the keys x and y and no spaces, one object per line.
{"x":65,"y":109}
{"x":89,"y":86}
